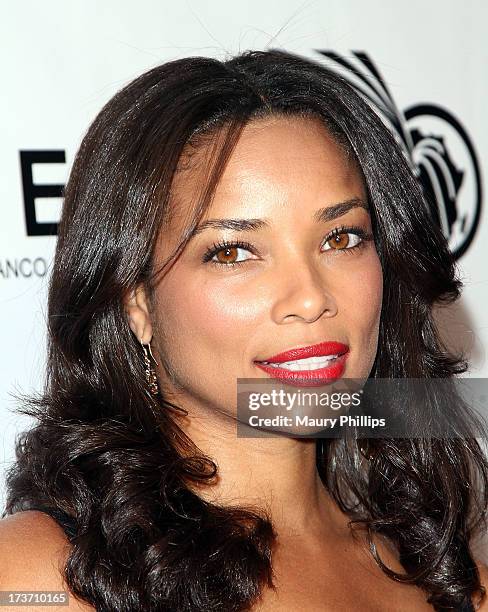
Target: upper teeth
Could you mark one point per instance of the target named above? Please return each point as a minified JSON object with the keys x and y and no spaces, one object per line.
{"x":311,"y":363}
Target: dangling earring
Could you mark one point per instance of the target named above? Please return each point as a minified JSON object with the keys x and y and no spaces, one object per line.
{"x":151,"y":377}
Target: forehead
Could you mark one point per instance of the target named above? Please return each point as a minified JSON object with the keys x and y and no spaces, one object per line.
{"x":276,"y":159}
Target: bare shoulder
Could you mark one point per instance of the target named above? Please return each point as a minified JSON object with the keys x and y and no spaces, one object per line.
{"x":33,"y":551}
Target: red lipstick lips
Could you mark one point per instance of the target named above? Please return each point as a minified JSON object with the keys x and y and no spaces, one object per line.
{"x":308,"y":377}
{"x":315,"y":350}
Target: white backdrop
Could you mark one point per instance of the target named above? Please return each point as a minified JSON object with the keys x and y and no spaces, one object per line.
{"x":61,"y":61}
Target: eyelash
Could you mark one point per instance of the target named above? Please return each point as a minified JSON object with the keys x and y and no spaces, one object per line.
{"x":353,"y":229}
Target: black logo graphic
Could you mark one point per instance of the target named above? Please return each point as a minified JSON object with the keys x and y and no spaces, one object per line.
{"x":33,"y":191}
{"x":440,"y":151}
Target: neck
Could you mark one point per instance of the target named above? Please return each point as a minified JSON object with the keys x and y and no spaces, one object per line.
{"x":277,"y":474}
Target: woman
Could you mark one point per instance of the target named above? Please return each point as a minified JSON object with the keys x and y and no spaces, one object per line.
{"x":219,"y":213}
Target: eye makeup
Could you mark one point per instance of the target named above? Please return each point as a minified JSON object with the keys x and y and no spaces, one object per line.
{"x":334,"y":234}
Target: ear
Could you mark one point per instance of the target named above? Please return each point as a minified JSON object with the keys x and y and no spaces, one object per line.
{"x":136,"y":307}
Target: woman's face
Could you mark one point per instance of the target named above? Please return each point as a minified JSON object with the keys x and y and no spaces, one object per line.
{"x":289,"y":287}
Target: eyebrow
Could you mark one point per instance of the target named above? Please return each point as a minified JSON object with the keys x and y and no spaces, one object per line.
{"x":325,"y":214}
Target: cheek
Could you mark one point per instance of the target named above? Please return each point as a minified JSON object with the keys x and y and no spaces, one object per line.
{"x":361,"y":304}
{"x":207,"y":319}
{"x":225,"y":313}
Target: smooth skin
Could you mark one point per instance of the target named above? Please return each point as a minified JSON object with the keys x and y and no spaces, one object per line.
{"x":209,"y":322}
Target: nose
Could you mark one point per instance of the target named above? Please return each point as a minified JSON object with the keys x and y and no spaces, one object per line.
{"x":303,"y":295}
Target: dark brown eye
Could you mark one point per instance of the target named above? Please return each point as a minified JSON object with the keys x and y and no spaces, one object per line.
{"x":343,"y":241}
{"x":227,"y":255}
{"x":339,"y":242}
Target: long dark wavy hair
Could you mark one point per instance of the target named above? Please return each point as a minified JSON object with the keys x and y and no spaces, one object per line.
{"x":109,"y":456}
